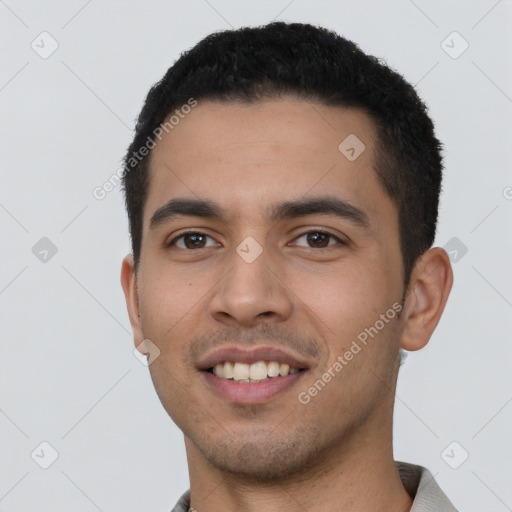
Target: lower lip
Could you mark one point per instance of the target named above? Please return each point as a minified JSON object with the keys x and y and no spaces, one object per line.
{"x":251,"y":393}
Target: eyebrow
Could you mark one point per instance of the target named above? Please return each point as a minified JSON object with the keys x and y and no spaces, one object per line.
{"x":321,"y":205}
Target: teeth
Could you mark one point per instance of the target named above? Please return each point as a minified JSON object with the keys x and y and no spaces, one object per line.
{"x":240,"y":371}
{"x":219,"y":370}
{"x":228,"y":371}
{"x":273,"y":369}
{"x":256,"y":372}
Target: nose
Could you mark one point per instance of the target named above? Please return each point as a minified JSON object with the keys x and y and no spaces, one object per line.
{"x":251,"y":293}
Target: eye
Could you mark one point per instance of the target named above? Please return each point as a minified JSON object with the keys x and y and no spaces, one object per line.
{"x":196,"y":240}
{"x":191,"y":240}
{"x":319,"y":239}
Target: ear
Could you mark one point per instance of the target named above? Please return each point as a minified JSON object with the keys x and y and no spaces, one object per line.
{"x":129,"y":284}
{"x":429,"y":288}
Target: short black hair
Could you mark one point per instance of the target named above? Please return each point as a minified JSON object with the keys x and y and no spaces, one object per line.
{"x":315,"y":64}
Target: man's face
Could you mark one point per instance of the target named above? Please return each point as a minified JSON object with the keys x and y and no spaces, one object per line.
{"x":263,"y":283}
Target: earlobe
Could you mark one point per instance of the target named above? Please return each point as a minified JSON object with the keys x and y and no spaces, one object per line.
{"x":129,"y":285}
{"x":430,"y":285}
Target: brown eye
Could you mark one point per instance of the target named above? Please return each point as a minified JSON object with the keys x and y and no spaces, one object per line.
{"x":194,"y":240}
{"x":190,"y":240}
{"x":319,"y":239}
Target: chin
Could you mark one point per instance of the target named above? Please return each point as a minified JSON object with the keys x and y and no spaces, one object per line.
{"x":264,"y":458}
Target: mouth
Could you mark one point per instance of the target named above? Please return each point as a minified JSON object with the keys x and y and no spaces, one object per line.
{"x":260,"y":371}
{"x":251,"y":377}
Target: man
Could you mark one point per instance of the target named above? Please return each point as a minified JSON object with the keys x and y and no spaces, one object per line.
{"x":282,"y":191}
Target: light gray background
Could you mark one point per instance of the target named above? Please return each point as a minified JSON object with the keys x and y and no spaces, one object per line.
{"x":68,"y":375}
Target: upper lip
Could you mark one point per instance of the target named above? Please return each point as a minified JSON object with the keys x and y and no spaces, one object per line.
{"x":249,"y":356}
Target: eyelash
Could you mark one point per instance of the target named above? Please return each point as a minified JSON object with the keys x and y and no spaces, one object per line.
{"x":316,"y":231}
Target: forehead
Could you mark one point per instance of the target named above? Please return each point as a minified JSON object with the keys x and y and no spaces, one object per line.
{"x":247,"y":156}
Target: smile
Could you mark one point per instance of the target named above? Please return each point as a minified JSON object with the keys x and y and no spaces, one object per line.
{"x":255,"y":375}
{"x":260,"y":371}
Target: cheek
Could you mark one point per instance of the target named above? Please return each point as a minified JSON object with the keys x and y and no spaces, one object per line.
{"x":348,"y":301}
{"x":167,"y":301}
{"x":341,"y":295}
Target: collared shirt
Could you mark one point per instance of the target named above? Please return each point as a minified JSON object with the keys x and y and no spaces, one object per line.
{"x":417,"y":480}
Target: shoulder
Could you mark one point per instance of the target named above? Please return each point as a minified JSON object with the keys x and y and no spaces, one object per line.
{"x":421,"y":485}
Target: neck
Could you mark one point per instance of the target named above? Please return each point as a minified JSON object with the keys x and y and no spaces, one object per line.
{"x":360,"y":475}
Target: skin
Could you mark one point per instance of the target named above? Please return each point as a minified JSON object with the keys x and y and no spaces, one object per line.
{"x":310,"y":299}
